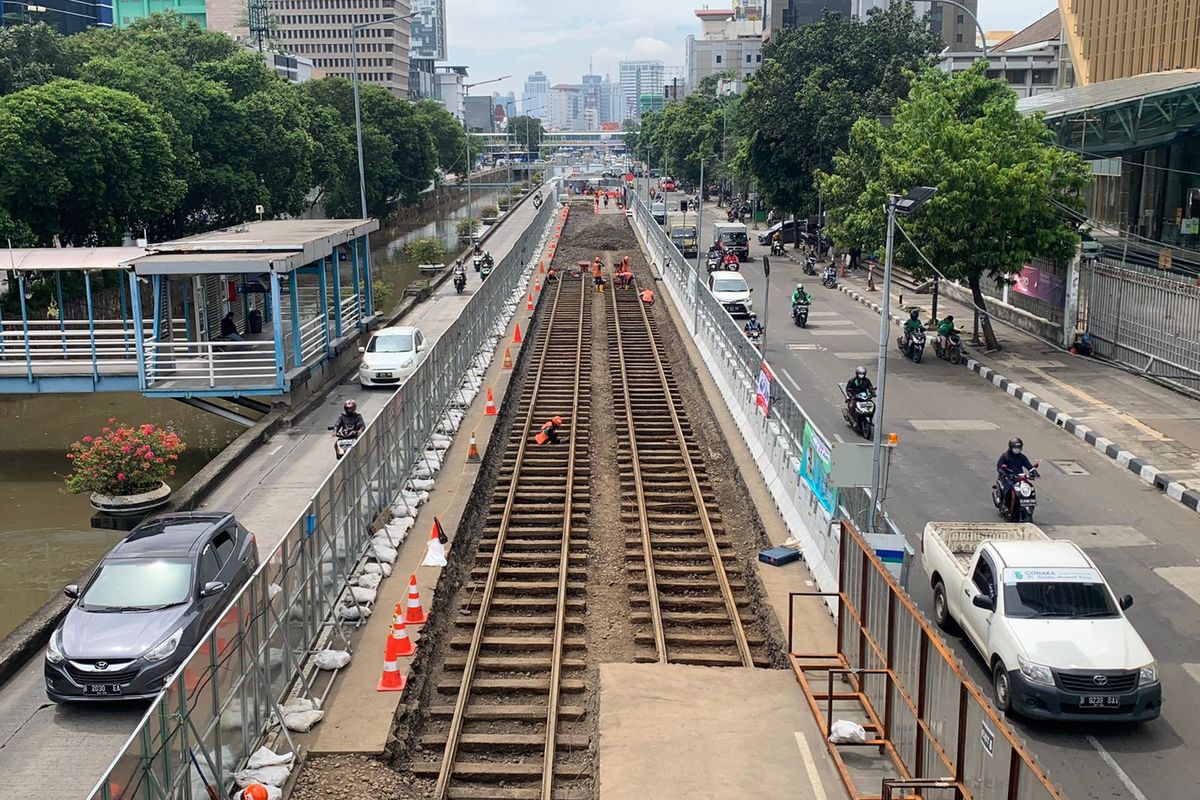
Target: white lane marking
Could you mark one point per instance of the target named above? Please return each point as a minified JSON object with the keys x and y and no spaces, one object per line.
{"x":854,"y":332}
{"x":794,"y":346}
{"x":810,"y":766}
{"x":953,"y":425}
{"x":792,"y":380}
{"x":838,"y":436}
{"x":1186,"y":579}
{"x":1130,"y":786}
{"x":837,"y":321}
{"x":858,"y":356}
{"x":276,"y":450}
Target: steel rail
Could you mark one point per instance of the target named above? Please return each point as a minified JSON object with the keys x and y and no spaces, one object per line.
{"x":560,"y":612}
{"x":450,"y":753}
{"x":735,"y":619}
{"x":660,"y":636}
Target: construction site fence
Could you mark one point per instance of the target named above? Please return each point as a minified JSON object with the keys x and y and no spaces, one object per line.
{"x":940,"y":725}
{"x":218,"y":706}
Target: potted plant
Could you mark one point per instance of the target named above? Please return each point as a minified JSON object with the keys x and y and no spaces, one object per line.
{"x":426,"y":251}
{"x":516,"y":191}
{"x":125,"y":467}
{"x":466,"y":228}
{"x":490,"y":214}
{"x":503,"y":203}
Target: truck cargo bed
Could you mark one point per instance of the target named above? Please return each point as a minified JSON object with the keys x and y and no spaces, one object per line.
{"x":962,"y":538}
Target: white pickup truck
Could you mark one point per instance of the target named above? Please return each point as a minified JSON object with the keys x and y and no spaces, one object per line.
{"x":1053,"y":634}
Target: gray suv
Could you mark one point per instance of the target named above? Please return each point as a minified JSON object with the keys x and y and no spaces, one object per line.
{"x":147,"y":605}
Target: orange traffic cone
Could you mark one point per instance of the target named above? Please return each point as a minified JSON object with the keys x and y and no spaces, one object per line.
{"x":507,"y":359}
{"x":537,"y":286}
{"x":517,"y":335}
{"x":529,"y":305}
{"x":414,"y":614}
{"x":398,"y":644}
{"x":490,"y":409}
{"x":391,"y":680}
{"x":473,"y":450}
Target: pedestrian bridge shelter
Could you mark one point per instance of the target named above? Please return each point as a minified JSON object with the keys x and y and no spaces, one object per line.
{"x":241,"y":312}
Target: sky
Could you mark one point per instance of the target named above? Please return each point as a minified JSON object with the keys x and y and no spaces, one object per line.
{"x":516,"y":37}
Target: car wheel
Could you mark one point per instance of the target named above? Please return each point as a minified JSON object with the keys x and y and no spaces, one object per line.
{"x":1002,"y":688}
{"x":941,"y":609}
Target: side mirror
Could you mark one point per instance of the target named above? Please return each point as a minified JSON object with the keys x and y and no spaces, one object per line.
{"x":72,"y":591}
{"x":1126,"y":602}
{"x":362,"y":349}
{"x":986,"y":602}
{"x":212,"y":588}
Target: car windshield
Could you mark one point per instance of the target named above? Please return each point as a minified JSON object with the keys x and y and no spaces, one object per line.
{"x":734,"y":238}
{"x":391,"y":343}
{"x":1056,"y":593}
{"x":729,"y":285}
{"x":141,"y":585}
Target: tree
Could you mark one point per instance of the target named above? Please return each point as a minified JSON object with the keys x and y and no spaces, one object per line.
{"x":425,"y":251}
{"x":31,"y":55}
{"x":449,"y":138}
{"x":527,"y":132}
{"x":85,"y":163}
{"x":815,"y":81}
{"x":1003,"y":186}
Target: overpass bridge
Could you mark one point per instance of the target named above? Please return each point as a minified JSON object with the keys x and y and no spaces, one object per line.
{"x":611,"y":140}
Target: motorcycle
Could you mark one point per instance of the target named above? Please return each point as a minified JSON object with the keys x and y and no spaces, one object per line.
{"x":912,"y":345}
{"x":712,"y":262}
{"x":952,"y":351}
{"x":732,"y":263}
{"x":460,"y":282}
{"x":859,"y":412}
{"x":810,"y":266}
{"x":1018,"y":506}
{"x":754,"y":335}
{"x":829,"y":278}
{"x":478,"y":261}
{"x":484,"y":271}
{"x":800,"y":314}
{"x":342,"y":442}
{"x":776,"y":248}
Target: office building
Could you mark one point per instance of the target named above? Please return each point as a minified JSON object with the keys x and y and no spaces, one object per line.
{"x":535,"y":100}
{"x":638,"y":78}
{"x":450,"y":89}
{"x":610,"y":106}
{"x":957,"y":29}
{"x":1031,"y":60}
{"x":725,"y":44}
{"x":566,"y":107}
{"x":428,"y":46}
{"x":778,"y":14}
{"x":480,"y":114}
{"x":320,"y":30}
{"x":65,"y":16}
{"x":1110,"y":40}
{"x":126,"y":12}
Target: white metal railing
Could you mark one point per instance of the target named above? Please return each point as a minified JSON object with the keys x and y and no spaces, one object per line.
{"x":50,"y":342}
{"x":211,"y":365}
{"x":351,"y":313}
{"x":312,"y":339}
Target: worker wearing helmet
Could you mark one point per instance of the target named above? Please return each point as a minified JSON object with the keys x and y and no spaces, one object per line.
{"x":255,"y":791}
{"x":550,"y":429}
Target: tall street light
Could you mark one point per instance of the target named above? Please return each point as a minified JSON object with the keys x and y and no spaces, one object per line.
{"x":354,"y":29}
{"x":903,"y":205}
{"x":467,"y":129}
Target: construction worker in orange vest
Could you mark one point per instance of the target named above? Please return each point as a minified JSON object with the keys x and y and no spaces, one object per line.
{"x":648,"y":297}
{"x":549,"y":431}
{"x":624,"y":276}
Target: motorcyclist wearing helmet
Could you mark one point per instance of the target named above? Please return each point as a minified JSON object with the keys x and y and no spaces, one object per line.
{"x":1012,"y":462}
{"x":859,"y":383}
{"x":753,"y":326}
{"x":350,"y":424}
{"x":800,"y":296}
{"x":912,"y":324}
{"x":945,"y":330}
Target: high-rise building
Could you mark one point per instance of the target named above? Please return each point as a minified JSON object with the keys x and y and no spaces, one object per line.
{"x":428,"y":46}
{"x":639,"y":78}
{"x":65,"y":16}
{"x":535,"y":100}
{"x":725,"y":45}
{"x":610,"y":103}
{"x":1031,"y":60}
{"x":566,"y":107}
{"x":779,"y":14}
{"x":480,"y":114}
{"x":322,"y":33}
{"x":1110,"y":40}
{"x":956,"y":28}
{"x":450,"y":88}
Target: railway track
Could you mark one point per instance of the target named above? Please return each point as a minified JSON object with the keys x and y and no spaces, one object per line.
{"x":509,"y":713}
{"x":679,"y":556}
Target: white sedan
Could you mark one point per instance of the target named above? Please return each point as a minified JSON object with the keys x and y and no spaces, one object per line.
{"x":391,"y":356}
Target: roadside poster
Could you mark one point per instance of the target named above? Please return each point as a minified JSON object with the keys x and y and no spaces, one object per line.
{"x":814,"y":467}
{"x":762,"y":391}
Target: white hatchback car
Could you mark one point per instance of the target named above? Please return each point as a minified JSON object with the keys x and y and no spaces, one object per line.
{"x":391,"y":356}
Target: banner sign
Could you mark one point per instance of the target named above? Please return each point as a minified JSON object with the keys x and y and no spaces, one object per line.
{"x":1045,"y":286}
{"x":762,"y":391}
{"x":814,"y":467}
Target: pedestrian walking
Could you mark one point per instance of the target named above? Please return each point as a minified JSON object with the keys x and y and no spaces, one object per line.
{"x":549,"y":431}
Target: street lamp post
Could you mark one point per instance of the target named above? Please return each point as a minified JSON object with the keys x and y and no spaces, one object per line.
{"x":905,"y":205}
{"x":354,"y":29}
{"x":467,"y":129}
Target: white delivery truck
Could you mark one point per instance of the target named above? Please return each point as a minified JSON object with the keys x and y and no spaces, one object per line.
{"x":1054,"y":636}
{"x":731,"y":237}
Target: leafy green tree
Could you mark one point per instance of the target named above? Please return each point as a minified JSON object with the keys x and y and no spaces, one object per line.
{"x":527,"y":132}
{"x":1002,"y":183}
{"x":425,"y":251}
{"x":449,"y":138}
{"x":32,"y":55}
{"x":85,"y":163}
{"x":814,"y":83}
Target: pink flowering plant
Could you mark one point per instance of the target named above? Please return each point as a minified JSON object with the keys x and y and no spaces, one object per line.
{"x":123,"y":459}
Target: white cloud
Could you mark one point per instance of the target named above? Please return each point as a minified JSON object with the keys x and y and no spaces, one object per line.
{"x":648,"y":47}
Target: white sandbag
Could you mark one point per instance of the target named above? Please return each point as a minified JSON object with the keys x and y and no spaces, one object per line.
{"x":268,"y":776}
{"x":419,"y":485}
{"x":424,"y":472}
{"x":387,"y":555}
{"x":846,"y":732}
{"x":331,"y":659}
{"x":300,"y":704}
{"x":231,"y":717}
{"x":400,"y":513}
{"x":435,"y":554}
{"x":353,"y":613}
{"x":384,"y":539}
{"x":415,"y":499}
{"x":362,"y":595}
{"x":274,"y":590}
{"x":400,"y":525}
{"x":441,"y":438}
{"x":369,"y":580}
{"x":377,"y":568}
{"x":266,"y":757}
{"x":302,"y":721}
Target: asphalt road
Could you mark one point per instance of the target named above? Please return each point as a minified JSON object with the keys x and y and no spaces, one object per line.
{"x":952,"y":426}
{"x":60,"y":752}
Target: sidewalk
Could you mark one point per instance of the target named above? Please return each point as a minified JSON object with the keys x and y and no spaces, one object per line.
{"x":1148,"y":429}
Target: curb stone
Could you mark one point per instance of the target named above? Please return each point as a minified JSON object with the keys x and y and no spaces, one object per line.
{"x":1189,"y":498}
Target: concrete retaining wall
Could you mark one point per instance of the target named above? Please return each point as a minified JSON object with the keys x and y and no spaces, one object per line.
{"x":1018,"y":318}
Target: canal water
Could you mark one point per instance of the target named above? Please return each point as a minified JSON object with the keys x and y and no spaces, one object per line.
{"x":45,"y":536}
